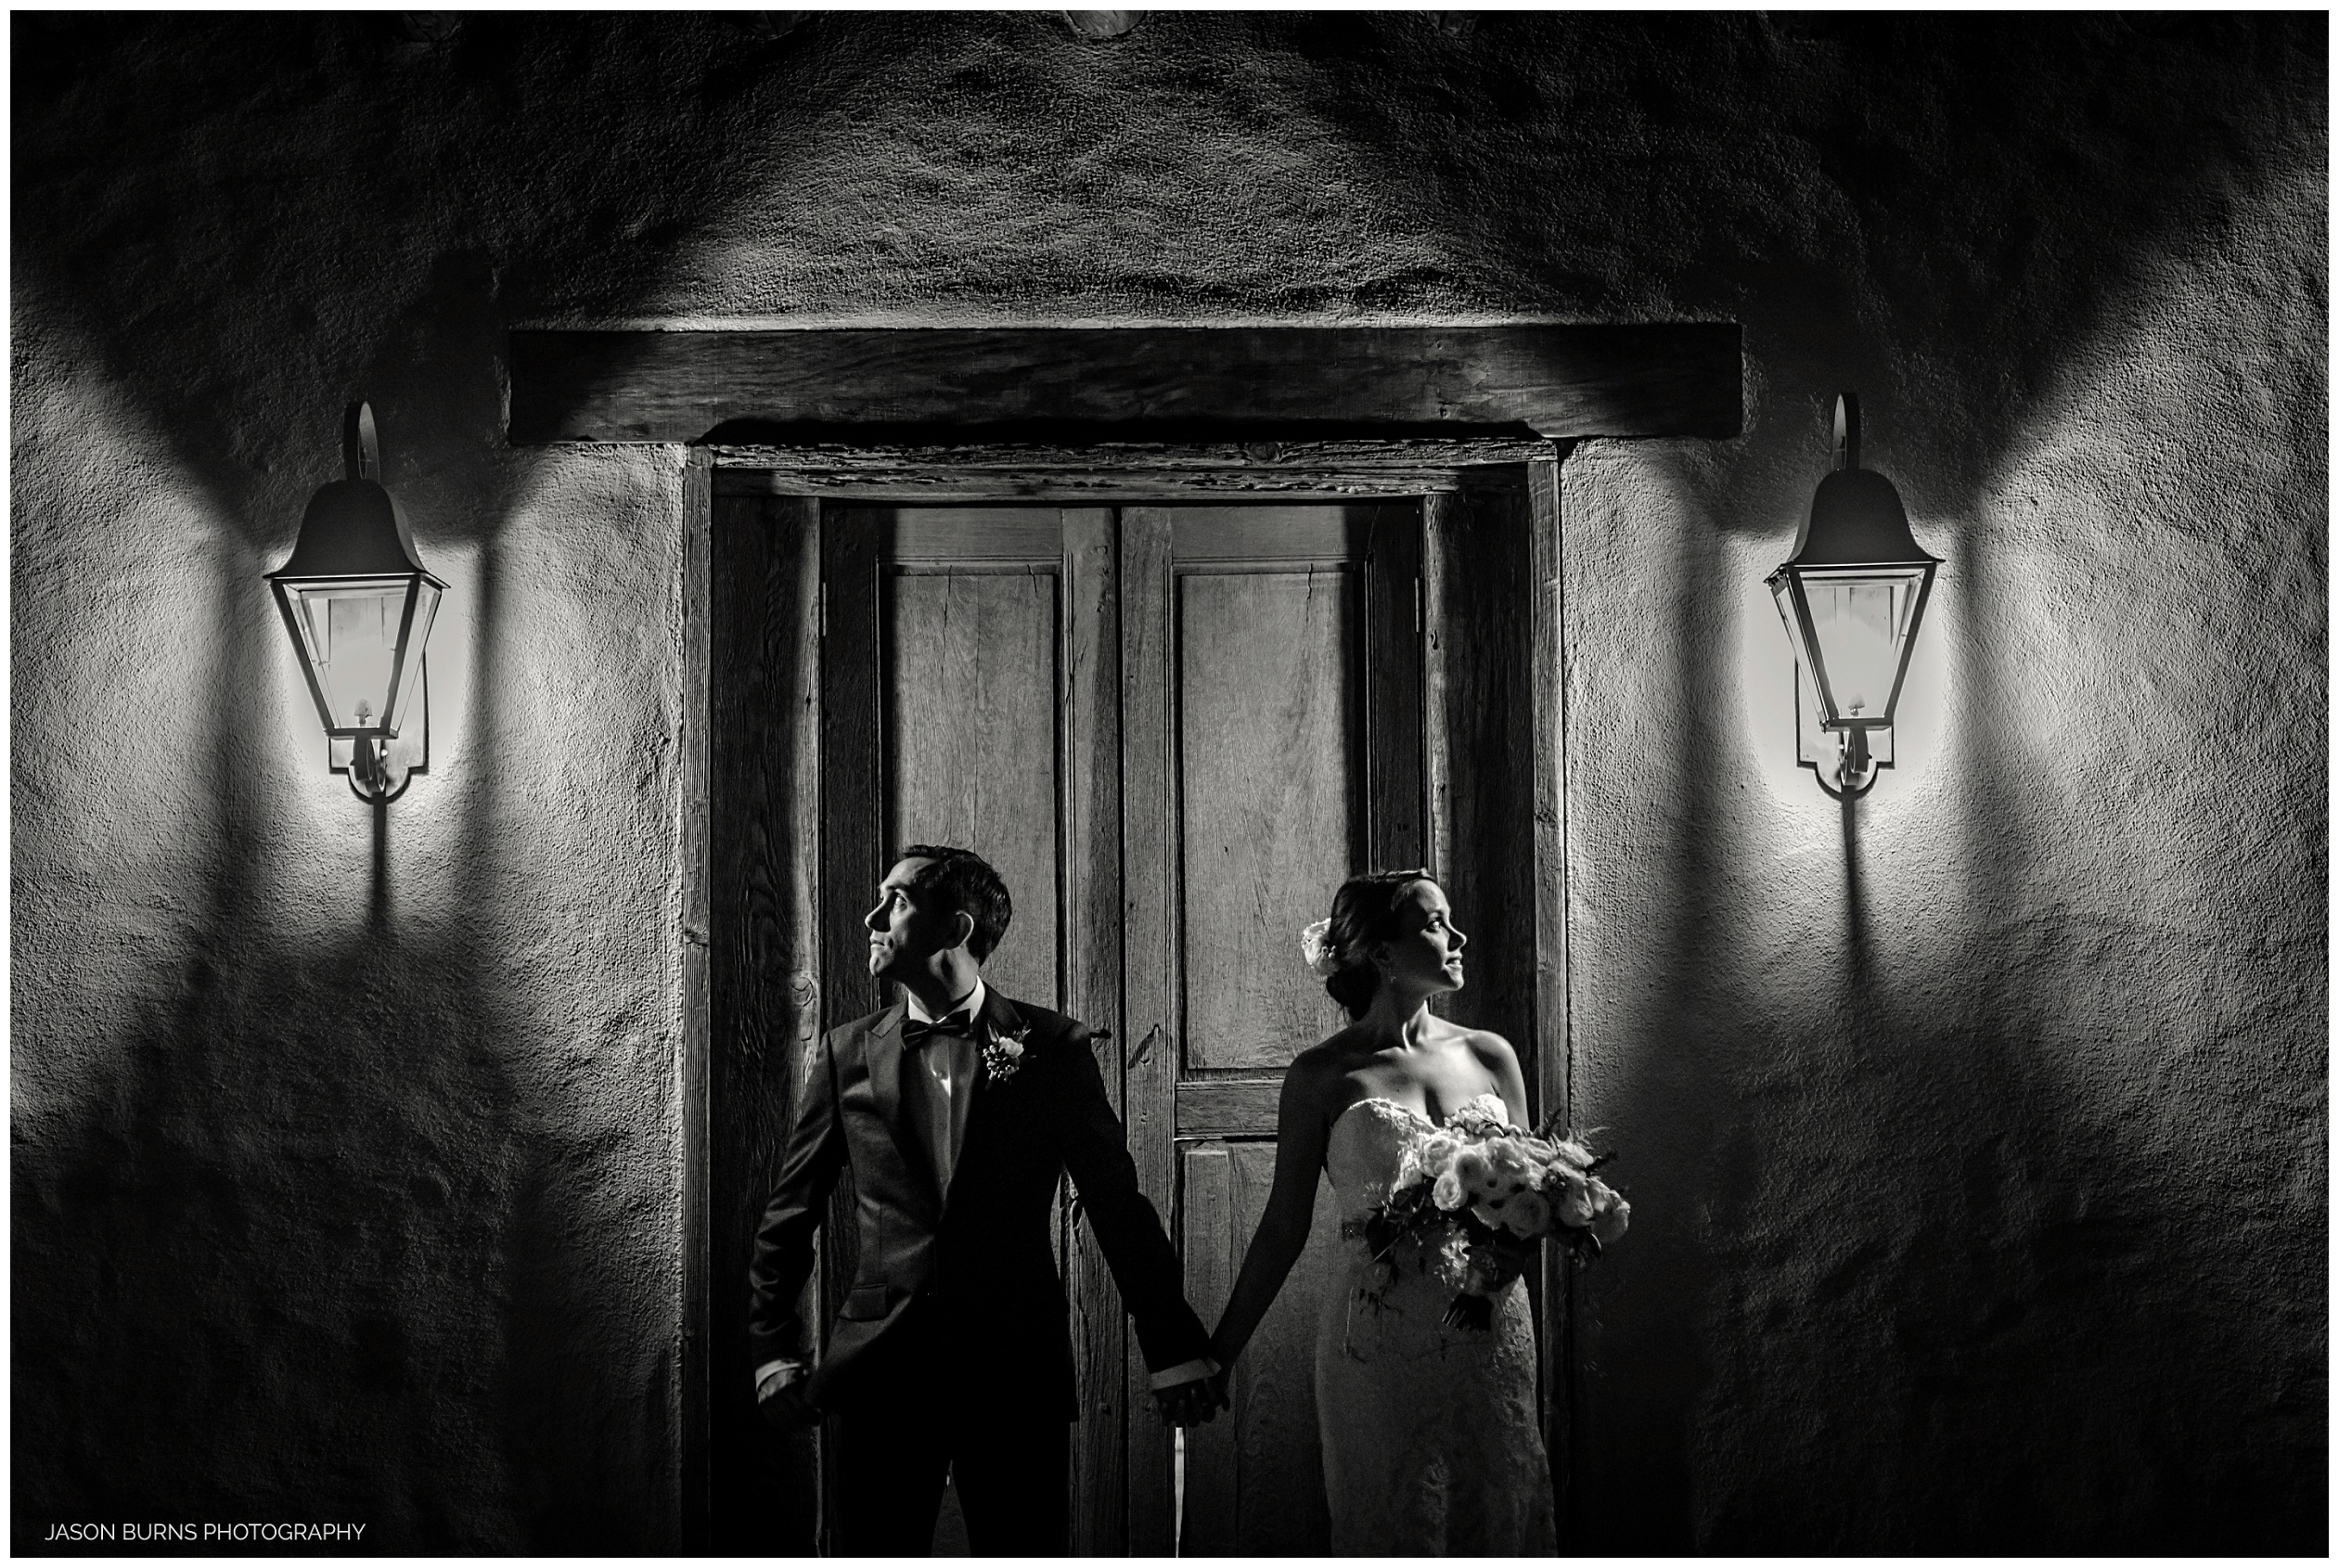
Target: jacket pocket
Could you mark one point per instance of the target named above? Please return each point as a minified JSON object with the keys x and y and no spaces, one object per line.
{"x":864,"y":1303}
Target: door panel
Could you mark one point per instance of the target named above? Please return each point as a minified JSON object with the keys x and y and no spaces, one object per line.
{"x":1272,"y":662}
{"x":1255,"y":1477}
{"x":1268,"y":741}
{"x":970,"y":745}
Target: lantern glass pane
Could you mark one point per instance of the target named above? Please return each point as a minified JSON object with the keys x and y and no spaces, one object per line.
{"x":1782,"y":589}
{"x":351,"y":629}
{"x":1860,"y":626}
{"x":426,"y":606}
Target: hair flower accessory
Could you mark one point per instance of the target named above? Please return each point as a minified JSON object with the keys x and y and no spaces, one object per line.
{"x":1316,"y":946}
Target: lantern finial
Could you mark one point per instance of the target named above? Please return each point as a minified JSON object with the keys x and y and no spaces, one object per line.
{"x":361,"y":450}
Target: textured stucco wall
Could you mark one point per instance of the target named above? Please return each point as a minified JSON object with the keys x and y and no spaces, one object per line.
{"x":1977,"y":1140}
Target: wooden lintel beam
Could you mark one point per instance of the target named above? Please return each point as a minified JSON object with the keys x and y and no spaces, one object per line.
{"x":1170,"y":383}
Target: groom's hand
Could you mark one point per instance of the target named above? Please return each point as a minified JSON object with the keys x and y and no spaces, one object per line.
{"x":784,"y":1404}
{"x":1190,"y":1404}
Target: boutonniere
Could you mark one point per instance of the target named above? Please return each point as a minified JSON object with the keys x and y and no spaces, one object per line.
{"x":1003,"y":1054}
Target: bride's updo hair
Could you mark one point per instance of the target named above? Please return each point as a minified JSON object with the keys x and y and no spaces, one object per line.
{"x":1364,"y":912}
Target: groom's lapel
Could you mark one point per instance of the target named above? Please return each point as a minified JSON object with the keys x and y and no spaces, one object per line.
{"x":884,"y":1052}
{"x":1000,"y":1020}
{"x":885,"y":1063}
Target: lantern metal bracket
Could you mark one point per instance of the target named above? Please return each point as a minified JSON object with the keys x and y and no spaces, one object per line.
{"x":1853,"y":769}
{"x":1838,"y":755}
{"x":379,"y":770}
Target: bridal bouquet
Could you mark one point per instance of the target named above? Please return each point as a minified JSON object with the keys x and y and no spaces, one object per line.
{"x":1474,"y":1198}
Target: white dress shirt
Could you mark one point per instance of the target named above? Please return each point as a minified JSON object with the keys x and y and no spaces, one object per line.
{"x":949,"y":1061}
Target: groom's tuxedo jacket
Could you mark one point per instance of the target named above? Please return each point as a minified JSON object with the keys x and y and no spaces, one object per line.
{"x":955,"y":1300}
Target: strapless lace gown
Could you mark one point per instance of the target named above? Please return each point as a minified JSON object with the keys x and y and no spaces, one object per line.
{"x":1429,"y":1437}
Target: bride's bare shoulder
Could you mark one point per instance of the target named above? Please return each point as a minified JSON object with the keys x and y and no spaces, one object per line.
{"x":1324,"y":1066}
{"x":1492,"y":1050}
{"x":1321,"y":1082}
{"x":1322,"y":1059}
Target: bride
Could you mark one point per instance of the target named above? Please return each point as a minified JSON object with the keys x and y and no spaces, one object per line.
{"x":1431,"y":1440}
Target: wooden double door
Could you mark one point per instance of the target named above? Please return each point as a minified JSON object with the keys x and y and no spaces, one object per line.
{"x":1174,"y":729}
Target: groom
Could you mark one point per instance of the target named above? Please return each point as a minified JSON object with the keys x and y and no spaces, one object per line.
{"x":958,"y":1112}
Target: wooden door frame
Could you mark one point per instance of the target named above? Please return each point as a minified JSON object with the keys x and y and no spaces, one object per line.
{"x":747,"y":978}
{"x":1056,"y":415}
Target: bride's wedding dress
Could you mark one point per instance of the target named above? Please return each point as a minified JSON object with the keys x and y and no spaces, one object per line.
{"x":1429,"y":1437}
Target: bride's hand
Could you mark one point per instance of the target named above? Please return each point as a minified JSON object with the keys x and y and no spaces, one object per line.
{"x":1186,"y":1403}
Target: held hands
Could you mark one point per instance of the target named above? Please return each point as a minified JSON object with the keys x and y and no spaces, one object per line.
{"x":782,"y":1400}
{"x":1192,"y":1404}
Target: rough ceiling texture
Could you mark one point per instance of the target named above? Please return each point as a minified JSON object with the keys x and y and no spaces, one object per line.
{"x":1976,"y":1136}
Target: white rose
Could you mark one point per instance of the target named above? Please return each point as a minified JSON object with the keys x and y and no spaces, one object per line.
{"x":1482,"y":1111}
{"x":1570,"y":1196}
{"x":1527,"y":1215}
{"x":1512,"y":1168}
{"x":1610,"y":1215}
{"x":1474,"y":1171}
{"x":1447,"y":1193}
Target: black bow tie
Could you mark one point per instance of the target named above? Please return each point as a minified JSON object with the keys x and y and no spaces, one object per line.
{"x":917,"y":1034}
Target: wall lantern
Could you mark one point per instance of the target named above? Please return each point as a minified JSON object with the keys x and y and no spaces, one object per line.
{"x":359,"y":604}
{"x":1852,"y":595}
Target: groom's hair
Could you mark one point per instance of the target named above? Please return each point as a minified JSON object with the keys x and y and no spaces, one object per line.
{"x":961,"y":882}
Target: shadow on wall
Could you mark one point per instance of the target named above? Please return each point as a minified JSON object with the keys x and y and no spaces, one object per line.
{"x":326,"y":1238}
{"x":1938,"y":1121}
{"x":1904,"y":1277}
{"x":324,"y":1211}
{"x":384,"y":186}
{"x":308,"y":1228}
{"x":1905,"y":1274}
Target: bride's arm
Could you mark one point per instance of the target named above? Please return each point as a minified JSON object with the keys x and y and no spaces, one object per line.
{"x":1300,"y":1128}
